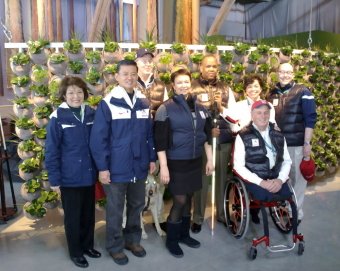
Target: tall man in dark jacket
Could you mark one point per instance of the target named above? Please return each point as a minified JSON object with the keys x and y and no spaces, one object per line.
{"x":122,"y":146}
{"x":213,"y":94}
{"x":295,"y":114}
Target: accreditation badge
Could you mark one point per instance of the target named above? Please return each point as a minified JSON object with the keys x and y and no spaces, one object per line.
{"x":275,"y":102}
{"x":255,"y":142}
{"x":204,"y":97}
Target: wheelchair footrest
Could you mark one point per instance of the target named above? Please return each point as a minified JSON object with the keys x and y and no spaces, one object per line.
{"x":280,"y":248}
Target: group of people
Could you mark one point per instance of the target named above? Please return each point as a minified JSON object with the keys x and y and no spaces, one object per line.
{"x":137,"y":125}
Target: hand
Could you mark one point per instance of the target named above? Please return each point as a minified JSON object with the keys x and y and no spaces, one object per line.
{"x":152,"y":167}
{"x":209,"y":168}
{"x":104,"y":177}
{"x":307,"y":149}
{"x":215,"y":132}
{"x":164,"y":175}
{"x":273,"y":186}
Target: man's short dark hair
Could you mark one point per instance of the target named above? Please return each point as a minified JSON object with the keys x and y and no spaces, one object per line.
{"x":126,"y":62}
{"x":72,"y":81}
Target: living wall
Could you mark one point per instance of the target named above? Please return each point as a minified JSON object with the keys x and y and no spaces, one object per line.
{"x":37,"y":73}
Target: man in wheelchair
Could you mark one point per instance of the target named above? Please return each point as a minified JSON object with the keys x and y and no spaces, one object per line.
{"x":261,"y":158}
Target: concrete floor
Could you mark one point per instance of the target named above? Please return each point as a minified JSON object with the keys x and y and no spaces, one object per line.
{"x":41,"y":245}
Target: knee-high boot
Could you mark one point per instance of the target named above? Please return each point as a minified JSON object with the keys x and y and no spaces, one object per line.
{"x":185,"y":235}
{"x":172,"y":238}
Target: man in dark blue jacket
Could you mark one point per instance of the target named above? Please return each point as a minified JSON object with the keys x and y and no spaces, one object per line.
{"x":123,"y":149}
{"x":295,"y":114}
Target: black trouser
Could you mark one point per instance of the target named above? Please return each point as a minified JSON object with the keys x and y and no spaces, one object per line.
{"x":79,"y":218}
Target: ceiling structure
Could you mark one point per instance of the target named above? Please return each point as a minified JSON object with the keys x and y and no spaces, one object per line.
{"x":218,"y":3}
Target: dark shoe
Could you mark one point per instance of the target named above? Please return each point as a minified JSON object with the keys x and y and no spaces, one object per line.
{"x":80,"y":261}
{"x":92,"y":253}
{"x":136,"y":250}
{"x":299,"y":221}
{"x":161,"y":225}
{"x":196,"y":228}
{"x":172,"y":238}
{"x":119,"y":258}
{"x":190,"y":242}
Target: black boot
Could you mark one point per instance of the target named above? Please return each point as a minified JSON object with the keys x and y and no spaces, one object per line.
{"x":172,"y":238}
{"x":185,"y":236}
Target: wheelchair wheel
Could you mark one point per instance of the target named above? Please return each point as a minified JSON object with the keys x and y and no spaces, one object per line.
{"x":236,"y":208}
{"x":301,"y":248}
{"x":281,"y":213}
{"x":252,"y":253}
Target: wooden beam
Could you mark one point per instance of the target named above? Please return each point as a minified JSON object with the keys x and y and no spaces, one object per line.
{"x":195,"y":21}
{"x":152,"y":24}
{"x":221,"y":15}
{"x":41,"y":7}
{"x":100,"y":14}
{"x":59,"y":21}
{"x":183,"y":21}
{"x":134,"y":22}
{"x":50,"y":20}
{"x":34,"y":24}
{"x":71,"y":16}
{"x":13,"y":20}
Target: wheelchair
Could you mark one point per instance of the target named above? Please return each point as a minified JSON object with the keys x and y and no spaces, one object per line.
{"x":237,"y":205}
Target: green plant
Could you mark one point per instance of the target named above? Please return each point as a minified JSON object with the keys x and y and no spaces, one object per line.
{"x":53,"y":87}
{"x":76,"y":66}
{"x":54,"y":100}
{"x":40,"y":74}
{"x":263,"y":68}
{"x":263,"y":49}
{"x":43,"y":111}
{"x":296,"y":59}
{"x":238,"y":87}
{"x":93,"y":57}
{"x":226,"y":57}
{"x":73,"y":45}
{"x":195,"y":75}
{"x":241,"y":48}
{"x":41,"y":91}
{"x":36,"y":46}
{"x":253,"y":57}
{"x":24,"y":123}
{"x":166,"y":58}
{"x":92,"y":76}
{"x":130,"y":56}
{"x":48,"y":196}
{"x":287,"y":50}
{"x":57,"y":58}
{"x":20,"y":59}
{"x":237,"y":68}
{"x":22,"y":102}
{"x":110,"y":46}
{"x":178,"y":48}
{"x":165,"y":77}
{"x":226,"y":77}
{"x":102,"y":202}
{"x":110,"y":68}
{"x":305,"y":53}
{"x":196,"y":58}
{"x":20,"y":81}
{"x":40,"y":133}
{"x":32,"y":185}
{"x":94,"y":100}
{"x":27,"y":145}
{"x":150,"y":42}
{"x":211,"y":48}
{"x":35,"y":209}
{"x":29,"y":165}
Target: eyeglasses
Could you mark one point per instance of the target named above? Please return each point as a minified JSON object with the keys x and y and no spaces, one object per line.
{"x":286,"y":72}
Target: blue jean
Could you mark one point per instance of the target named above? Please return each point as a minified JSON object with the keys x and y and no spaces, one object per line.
{"x":116,"y":194}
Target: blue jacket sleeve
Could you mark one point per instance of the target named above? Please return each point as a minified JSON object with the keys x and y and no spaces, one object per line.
{"x":53,"y":152}
{"x":100,"y":137}
{"x":308,"y":109}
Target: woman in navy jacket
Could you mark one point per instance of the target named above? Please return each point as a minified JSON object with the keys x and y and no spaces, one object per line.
{"x":182,"y":132}
{"x":71,"y":169}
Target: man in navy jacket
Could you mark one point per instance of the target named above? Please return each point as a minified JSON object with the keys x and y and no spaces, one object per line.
{"x":123,"y":149}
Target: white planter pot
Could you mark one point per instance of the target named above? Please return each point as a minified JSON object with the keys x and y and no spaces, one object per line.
{"x":46,"y":185}
{"x":97,"y":89}
{"x":40,"y":58}
{"x":24,"y":134}
{"x":112,"y":57}
{"x":29,"y":196}
{"x":51,"y":205}
{"x":109,"y":78}
{"x":20,"y":70}
{"x":21,"y":91}
{"x":24,"y":154}
{"x":57,"y":68}
{"x":75,"y":57}
{"x":25,"y":175}
{"x":40,"y":141}
{"x":40,"y":123}
{"x":40,"y":100}
{"x":29,"y":216}
{"x":22,"y":112}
